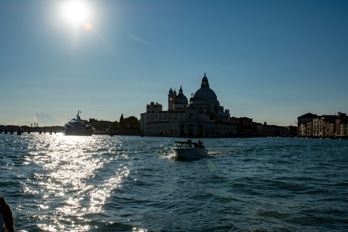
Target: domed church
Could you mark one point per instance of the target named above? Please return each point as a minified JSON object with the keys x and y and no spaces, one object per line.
{"x":202,"y":117}
{"x":205,"y":103}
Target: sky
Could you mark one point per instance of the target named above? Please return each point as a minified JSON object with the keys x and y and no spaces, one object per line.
{"x":271,"y":61}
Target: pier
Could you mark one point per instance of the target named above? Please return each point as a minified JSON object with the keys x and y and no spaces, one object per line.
{"x":19,"y":130}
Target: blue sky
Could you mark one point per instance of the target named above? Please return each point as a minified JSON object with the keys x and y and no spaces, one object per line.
{"x":268,"y":60}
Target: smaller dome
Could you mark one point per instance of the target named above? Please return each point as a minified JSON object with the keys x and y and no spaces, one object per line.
{"x":181,"y":98}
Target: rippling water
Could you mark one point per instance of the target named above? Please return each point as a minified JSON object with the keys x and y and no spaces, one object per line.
{"x":125,"y":183}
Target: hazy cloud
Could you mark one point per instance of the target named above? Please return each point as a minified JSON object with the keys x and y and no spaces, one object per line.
{"x":45,"y":119}
{"x":140,"y":40}
{"x":17,"y":123}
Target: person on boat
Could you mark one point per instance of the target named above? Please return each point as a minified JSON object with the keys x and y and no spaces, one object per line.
{"x":6,"y":218}
{"x":200,"y":144}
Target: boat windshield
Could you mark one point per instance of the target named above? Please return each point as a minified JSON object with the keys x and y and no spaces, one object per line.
{"x":184,"y":144}
{"x":189,"y":144}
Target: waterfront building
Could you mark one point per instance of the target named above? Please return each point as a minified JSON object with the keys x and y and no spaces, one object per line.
{"x":245,"y":126}
{"x":275,"y":131}
{"x":302,"y":124}
{"x":325,"y":126}
{"x":202,"y":116}
{"x":100,"y":125}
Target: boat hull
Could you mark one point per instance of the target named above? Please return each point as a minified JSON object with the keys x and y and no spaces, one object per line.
{"x":189,"y":153}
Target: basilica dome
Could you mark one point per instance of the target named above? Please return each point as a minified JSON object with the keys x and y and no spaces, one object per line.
{"x":205,"y":93}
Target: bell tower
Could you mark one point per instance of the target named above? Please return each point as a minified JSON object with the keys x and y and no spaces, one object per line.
{"x":171,"y":99}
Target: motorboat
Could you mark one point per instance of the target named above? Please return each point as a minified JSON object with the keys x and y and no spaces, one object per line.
{"x":77,"y":126}
{"x":189,"y":150}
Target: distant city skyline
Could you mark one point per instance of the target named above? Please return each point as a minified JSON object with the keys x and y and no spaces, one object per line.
{"x":271,"y":61}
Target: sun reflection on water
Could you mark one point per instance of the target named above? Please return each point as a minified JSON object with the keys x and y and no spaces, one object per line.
{"x":70,"y":179}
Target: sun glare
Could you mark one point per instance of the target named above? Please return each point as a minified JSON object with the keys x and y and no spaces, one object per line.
{"x":76,"y":12}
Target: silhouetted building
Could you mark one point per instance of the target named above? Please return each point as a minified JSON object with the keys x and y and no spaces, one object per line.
{"x":100,"y":125}
{"x":245,"y":126}
{"x":202,"y":117}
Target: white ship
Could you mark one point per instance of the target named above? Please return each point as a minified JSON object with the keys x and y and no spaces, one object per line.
{"x":76,"y":126}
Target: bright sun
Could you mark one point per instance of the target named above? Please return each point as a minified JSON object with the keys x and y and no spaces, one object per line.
{"x":76,"y":12}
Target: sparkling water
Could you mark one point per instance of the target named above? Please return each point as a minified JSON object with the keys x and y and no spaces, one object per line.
{"x":126,"y":183}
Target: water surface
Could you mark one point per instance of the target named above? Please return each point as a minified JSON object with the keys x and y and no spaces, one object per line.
{"x":126,"y":183}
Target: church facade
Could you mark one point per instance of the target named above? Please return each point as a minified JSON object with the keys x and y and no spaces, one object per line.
{"x":201,"y":116}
